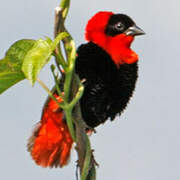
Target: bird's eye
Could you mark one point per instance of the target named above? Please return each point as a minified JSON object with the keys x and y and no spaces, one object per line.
{"x":119,"y":26}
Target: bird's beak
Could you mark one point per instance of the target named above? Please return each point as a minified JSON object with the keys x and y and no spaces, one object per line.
{"x":134,"y":31}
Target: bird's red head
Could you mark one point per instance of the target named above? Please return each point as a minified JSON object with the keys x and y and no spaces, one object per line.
{"x":114,"y":33}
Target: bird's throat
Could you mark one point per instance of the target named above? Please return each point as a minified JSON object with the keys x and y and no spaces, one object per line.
{"x":118,"y":47}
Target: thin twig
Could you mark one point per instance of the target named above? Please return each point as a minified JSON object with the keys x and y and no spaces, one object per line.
{"x":80,"y":127}
{"x":60,"y":93}
{"x":49,"y":93}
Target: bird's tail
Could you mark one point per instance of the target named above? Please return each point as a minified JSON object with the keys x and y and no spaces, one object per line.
{"x":50,"y":144}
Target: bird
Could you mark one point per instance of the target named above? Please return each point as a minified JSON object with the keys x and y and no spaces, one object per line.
{"x":110,"y":69}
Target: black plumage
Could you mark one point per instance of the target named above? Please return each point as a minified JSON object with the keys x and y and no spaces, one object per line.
{"x":108,"y":88}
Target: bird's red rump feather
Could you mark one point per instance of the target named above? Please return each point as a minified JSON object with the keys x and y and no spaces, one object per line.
{"x":51,"y":142}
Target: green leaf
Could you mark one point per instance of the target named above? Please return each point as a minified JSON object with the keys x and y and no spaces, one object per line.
{"x":10,"y":66}
{"x":35,"y":59}
{"x":39,"y":56}
{"x":24,"y":59}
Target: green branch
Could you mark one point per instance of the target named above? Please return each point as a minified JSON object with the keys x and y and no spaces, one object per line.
{"x":77,"y":97}
{"x":73,"y":91}
{"x":49,"y":93}
{"x":87,"y":160}
{"x":65,"y":5}
{"x":59,"y":58}
{"x":56,"y":82}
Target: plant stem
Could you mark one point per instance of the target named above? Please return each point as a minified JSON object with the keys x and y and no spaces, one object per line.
{"x":87,"y":160}
{"x":65,"y":5}
{"x":56,"y":82}
{"x":49,"y":93}
{"x":73,"y":90}
{"x":68,"y":114}
{"x":59,"y":58}
{"x":77,"y":97}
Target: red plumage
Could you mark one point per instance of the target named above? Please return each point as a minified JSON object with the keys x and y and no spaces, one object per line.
{"x":51,"y":143}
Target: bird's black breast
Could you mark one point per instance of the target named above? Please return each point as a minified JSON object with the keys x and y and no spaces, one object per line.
{"x":107,"y":87}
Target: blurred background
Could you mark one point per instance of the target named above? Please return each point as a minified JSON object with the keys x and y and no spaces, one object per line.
{"x":142,"y":144}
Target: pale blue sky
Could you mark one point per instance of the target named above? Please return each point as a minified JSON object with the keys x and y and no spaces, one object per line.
{"x":144,"y":143}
